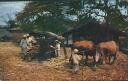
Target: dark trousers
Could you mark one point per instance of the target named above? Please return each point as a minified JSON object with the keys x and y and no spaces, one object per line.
{"x":75,"y":68}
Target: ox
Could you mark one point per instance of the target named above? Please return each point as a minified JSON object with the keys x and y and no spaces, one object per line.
{"x":88,"y":48}
{"x":108,"y":51}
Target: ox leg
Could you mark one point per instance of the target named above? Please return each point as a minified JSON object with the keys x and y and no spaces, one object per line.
{"x":103,"y":61}
{"x":94,"y":58}
{"x":112,"y":59}
{"x":106,"y":59}
{"x":86,"y":60}
{"x":102,"y":58}
{"x":29,"y":58}
{"x":94,"y":63}
{"x":106,"y":56}
{"x":100,"y":53}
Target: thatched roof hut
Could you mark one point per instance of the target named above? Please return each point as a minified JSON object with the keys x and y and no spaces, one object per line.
{"x":95,"y":32}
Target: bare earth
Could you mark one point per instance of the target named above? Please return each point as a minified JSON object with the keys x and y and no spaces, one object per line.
{"x":12,"y":68}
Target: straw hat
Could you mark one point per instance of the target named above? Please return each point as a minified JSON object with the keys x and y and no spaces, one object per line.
{"x":76,"y":50}
{"x":24,"y":36}
{"x":57,"y":41}
{"x":27,"y":35}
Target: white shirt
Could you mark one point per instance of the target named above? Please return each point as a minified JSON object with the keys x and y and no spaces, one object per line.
{"x":76,"y":58}
{"x":31,"y":39}
{"x":23,"y":43}
{"x":58,"y":46}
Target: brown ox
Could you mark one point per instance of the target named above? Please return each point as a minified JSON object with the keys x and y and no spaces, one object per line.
{"x":88,"y":45}
{"x":108,"y":51}
{"x":88,"y":48}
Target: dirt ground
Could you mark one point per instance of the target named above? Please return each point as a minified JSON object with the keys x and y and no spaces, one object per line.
{"x":13,"y":68}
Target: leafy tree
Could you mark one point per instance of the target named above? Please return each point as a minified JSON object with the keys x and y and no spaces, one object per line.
{"x":57,"y":16}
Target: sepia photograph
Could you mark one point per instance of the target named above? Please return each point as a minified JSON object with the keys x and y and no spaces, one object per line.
{"x":64,"y":40}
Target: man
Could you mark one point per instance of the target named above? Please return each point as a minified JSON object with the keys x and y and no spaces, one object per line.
{"x":76,"y":61}
{"x":56,"y":48}
{"x":27,"y":38}
{"x":31,"y":42}
{"x":24,"y":45}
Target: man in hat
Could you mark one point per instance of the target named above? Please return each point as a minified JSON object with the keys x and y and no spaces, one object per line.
{"x":24,"y":45}
{"x":76,"y":61}
{"x":31,"y":42}
{"x":56,"y":48}
{"x":27,"y":38}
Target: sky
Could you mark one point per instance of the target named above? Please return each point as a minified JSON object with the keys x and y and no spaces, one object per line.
{"x":10,"y":9}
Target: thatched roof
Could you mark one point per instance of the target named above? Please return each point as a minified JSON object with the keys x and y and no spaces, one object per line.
{"x":95,"y":27}
{"x":49,"y":35}
{"x":96,"y":31}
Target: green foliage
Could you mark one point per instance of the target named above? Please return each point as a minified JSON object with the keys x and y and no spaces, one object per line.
{"x":57,"y":16}
{"x":27,"y":27}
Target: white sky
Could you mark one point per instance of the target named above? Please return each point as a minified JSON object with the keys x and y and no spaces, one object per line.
{"x":10,"y":8}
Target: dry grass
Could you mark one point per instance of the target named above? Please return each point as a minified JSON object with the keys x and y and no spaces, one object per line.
{"x":12,"y":68}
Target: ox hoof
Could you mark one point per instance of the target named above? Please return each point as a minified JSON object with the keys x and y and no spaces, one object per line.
{"x":112,"y":60}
